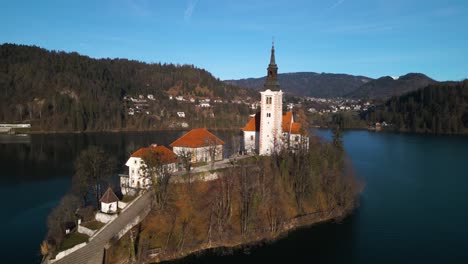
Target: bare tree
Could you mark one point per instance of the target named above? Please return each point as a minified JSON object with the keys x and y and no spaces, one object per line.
{"x":247,"y":187}
{"x":93,"y":167}
{"x":19,"y":108}
{"x":185,"y":158}
{"x":60,"y":216}
{"x":222,"y":202}
{"x":212,"y":147}
{"x":157,"y":168}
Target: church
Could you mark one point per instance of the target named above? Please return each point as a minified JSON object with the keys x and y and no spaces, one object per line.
{"x":269,"y":130}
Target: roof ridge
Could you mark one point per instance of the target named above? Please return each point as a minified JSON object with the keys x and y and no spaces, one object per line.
{"x":109,"y":196}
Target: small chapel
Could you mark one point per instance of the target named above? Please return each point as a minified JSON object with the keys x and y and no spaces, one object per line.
{"x":270,"y":129}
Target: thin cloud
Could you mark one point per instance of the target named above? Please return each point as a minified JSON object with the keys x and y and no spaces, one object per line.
{"x":139,"y":7}
{"x":362,"y":28}
{"x":190,"y":9}
{"x":335,"y":5}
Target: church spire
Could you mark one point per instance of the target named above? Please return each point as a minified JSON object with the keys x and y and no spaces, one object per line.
{"x":272,"y":58}
{"x":272,"y":72}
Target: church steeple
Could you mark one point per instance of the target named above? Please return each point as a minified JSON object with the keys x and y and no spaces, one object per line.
{"x":272,"y":72}
{"x":272,"y":58}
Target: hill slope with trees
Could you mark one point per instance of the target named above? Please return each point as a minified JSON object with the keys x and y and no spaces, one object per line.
{"x":438,"y":109}
{"x":386,"y":87}
{"x":58,"y":91}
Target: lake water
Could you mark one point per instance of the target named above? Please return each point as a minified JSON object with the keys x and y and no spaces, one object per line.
{"x":413,"y":209}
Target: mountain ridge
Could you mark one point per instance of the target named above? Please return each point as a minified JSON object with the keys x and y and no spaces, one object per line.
{"x":311,"y":84}
{"x":332,"y":85}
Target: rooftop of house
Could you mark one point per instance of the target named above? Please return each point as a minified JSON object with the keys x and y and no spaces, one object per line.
{"x":198,"y":137}
{"x":109,"y":196}
{"x":162,"y":153}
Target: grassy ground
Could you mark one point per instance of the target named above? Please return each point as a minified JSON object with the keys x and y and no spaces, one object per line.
{"x":93,"y":225}
{"x":72,"y":240}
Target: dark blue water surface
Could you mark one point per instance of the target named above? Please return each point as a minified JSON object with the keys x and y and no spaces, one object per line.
{"x":413,"y":209}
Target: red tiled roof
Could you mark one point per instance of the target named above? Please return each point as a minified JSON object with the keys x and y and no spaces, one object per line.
{"x":253,"y":124}
{"x":195,"y":138}
{"x":166,"y":155}
{"x":294,"y":128}
{"x":109,"y":196}
{"x":287,"y":118}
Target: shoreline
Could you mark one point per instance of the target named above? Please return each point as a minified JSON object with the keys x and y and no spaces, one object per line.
{"x":228,"y":247}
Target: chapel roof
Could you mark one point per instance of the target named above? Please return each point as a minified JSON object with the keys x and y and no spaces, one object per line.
{"x":109,"y":196}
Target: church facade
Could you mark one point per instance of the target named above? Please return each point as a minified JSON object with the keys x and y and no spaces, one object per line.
{"x":269,"y":130}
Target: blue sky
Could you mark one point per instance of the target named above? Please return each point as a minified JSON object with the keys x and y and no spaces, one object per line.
{"x":232,"y":38}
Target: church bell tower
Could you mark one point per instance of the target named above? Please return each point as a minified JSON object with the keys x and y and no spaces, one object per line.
{"x":271,"y":113}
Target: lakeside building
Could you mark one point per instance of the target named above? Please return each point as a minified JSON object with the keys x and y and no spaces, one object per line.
{"x":200,"y":144}
{"x":136,"y":178}
{"x":269,"y":130}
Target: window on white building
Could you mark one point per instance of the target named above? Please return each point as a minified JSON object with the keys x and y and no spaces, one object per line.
{"x":268,"y":100}
{"x":251,"y":137}
{"x":268,"y":114}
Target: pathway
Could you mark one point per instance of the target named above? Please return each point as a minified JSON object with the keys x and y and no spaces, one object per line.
{"x":93,"y":252}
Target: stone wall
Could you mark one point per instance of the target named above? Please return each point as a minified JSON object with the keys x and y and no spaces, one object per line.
{"x":133,"y":223}
{"x":68,"y":251}
{"x":86,"y":231}
{"x":105,"y":218}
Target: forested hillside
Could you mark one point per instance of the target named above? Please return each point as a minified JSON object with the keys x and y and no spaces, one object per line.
{"x":438,"y":109}
{"x":386,"y":87}
{"x":58,"y":91}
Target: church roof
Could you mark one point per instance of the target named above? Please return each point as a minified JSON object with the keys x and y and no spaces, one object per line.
{"x":272,"y":73}
{"x":196,"y":138}
{"x":164,"y":154}
{"x":272,"y":57}
{"x":295,"y":128}
{"x":253,"y":124}
{"x":287,"y":119}
{"x":109,"y":197}
{"x":287,"y":124}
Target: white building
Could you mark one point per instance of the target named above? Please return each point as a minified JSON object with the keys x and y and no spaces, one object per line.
{"x":204,"y":104}
{"x":201,"y":144}
{"x":109,"y":202}
{"x":137,"y":178}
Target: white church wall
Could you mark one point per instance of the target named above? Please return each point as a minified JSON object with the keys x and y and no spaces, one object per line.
{"x":270,"y":120}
